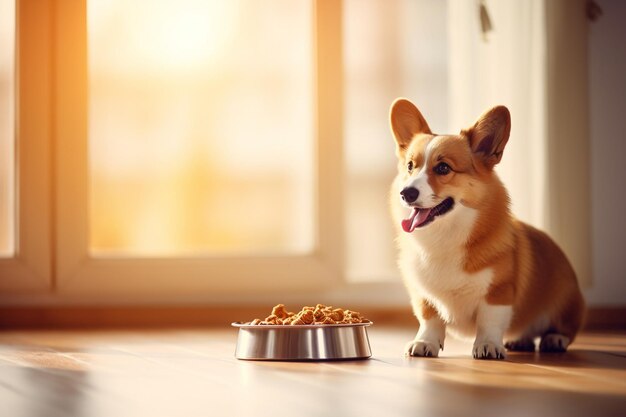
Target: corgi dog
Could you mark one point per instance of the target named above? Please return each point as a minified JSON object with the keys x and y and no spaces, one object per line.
{"x":470,"y":267}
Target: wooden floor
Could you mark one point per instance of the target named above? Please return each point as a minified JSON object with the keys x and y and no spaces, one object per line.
{"x":193,"y":373}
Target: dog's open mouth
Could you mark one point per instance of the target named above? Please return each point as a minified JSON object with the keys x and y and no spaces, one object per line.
{"x":422,"y":216}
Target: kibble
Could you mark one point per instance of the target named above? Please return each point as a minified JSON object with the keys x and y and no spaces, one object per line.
{"x":320,"y":314}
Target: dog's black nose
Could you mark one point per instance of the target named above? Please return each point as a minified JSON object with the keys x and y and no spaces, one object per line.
{"x":410,"y":194}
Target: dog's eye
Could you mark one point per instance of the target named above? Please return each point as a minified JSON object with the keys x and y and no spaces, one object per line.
{"x":409,"y":166}
{"x":442,"y":169}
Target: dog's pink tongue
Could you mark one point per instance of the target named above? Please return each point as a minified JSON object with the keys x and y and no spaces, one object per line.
{"x":416,"y":219}
{"x":407,"y":224}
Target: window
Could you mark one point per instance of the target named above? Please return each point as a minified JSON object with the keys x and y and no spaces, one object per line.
{"x":195,"y":149}
{"x":200,"y":127}
{"x":197,"y":94}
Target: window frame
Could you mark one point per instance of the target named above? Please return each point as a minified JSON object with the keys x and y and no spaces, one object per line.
{"x":30,"y":268}
{"x":158,"y":278}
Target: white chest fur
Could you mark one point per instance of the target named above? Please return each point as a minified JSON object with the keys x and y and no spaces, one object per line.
{"x":432,"y":261}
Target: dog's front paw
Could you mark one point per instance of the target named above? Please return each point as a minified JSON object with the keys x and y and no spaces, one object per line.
{"x":422,"y":348}
{"x":488,"y":350}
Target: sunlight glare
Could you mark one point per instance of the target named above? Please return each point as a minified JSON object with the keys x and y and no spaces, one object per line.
{"x":187,"y":33}
{"x":166,"y":36}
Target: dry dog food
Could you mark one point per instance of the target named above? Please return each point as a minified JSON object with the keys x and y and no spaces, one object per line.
{"x":320,"y":314}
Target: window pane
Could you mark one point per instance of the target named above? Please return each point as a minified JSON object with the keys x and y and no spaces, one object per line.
{"x":7,"y":127}
{"x":200,"y":126}
{"x":406,"y":56}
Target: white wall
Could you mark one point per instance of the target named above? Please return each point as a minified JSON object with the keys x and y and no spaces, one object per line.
{"x":607,"y":64}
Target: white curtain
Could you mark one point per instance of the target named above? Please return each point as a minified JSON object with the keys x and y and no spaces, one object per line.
{"x":534,"y":61}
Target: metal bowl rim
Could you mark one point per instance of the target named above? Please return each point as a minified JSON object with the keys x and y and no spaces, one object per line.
{"x":241,"y":325}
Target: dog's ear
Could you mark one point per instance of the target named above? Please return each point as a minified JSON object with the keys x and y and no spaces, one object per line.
{"x":406,"y":121}
{"x":489,"y":136}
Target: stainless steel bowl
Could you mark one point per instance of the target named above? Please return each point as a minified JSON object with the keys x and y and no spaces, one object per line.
{"x":302,"y":343}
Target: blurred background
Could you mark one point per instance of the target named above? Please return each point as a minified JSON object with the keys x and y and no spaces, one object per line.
{"x":201,"y":125}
